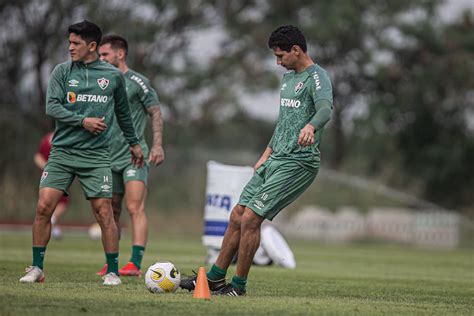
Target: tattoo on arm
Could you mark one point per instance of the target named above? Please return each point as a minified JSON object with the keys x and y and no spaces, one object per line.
{"x":156,"y":124}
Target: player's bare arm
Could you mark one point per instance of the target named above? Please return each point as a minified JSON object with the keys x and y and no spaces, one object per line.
{"x":157,"y":154}
{"x":306,"y":137}
{"x":94,"y":125}
{"x":266,"y":154}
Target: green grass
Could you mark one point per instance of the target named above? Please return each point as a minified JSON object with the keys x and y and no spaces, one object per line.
{"x":364,"y":279}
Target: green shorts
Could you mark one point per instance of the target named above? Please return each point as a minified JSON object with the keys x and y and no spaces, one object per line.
{"x":274,"y":186}
{"x":95,"y":182}
{"x":129,"y":173}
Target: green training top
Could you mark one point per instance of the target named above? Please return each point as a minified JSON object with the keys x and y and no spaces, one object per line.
{"x":141,"y":96}
{"x":77,"y":90}
{"x":305,"y":97}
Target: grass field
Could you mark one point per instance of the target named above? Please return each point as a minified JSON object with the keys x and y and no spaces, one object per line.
{"x":364,"y":279}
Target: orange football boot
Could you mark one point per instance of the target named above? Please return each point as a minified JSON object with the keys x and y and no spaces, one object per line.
{"x":130,"y":269}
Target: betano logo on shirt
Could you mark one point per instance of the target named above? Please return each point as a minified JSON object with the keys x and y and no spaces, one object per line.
{"x":317,"y":82}
{"x":73,"y":98}
{"x":291,"y":103}
{"x":140,"y":83}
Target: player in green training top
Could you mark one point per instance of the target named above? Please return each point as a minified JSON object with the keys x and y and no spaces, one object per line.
{"x":288,"y":165}
{"x":128,"y":180}
{"x":83,"y":95}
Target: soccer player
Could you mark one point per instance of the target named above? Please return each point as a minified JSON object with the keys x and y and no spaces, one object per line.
{"x":129,"y":181}
{"x":83,"y":95}
{"x":288,"y":165}
{"x":41,"y":158}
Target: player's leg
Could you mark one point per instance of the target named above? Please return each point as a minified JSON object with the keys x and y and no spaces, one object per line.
{"x":48,"y":198}
{"x":232,"y":236}
{"x":231,"y":241}
{"x":102,"y":208}
{"x":97,"y":186}
{"x":55,"y":180}
{"x":230,"y":244}
{"x":284,"y":182}
{"x":135,"y":196}
{"x":249,"y":241}
{"x":117,"y":199}
{"x":118,"y":190}
{"x":47,"y":202}
{"x":248,"y":245}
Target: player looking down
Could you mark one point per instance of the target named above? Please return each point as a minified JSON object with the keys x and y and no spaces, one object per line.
{"x":288,"y":165}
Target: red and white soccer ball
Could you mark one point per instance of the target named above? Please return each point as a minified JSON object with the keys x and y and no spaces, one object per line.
{"x":162,"y":277}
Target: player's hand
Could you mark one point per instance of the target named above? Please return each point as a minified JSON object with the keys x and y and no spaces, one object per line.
{"x":157,"y":155}
{"x":306,"y":137}
{"x":137,"y":156}
{"x":94,"y":125}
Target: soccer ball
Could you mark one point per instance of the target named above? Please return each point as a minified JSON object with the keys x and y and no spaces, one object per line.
{"x":162,"y":277}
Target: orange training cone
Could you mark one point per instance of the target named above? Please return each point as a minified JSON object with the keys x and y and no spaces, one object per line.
{"x":202,"y":287}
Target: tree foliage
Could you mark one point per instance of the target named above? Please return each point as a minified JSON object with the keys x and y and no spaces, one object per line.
{"x":402,"y":78}
{"x":425,"y":103}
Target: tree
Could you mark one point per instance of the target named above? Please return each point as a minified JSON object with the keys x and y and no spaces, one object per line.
{"x":31,"y":41}
{"x":425,"y":104}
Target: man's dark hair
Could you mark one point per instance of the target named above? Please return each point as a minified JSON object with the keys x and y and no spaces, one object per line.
{"x":116,"y":42}
{"x":88,"y":31}
{"x":285,"y":37}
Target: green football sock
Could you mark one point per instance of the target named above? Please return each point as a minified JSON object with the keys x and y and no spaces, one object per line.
{"x":216,"y":273}
{"x":38,"y":256}
{"x":137,"y":255}
{"x":112,"y":262}
{"x":239,"y":282}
